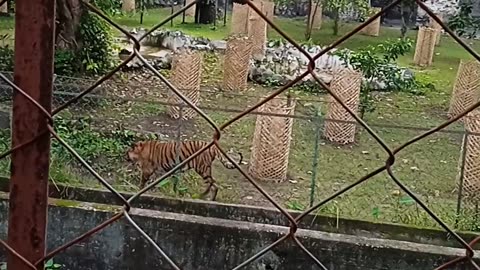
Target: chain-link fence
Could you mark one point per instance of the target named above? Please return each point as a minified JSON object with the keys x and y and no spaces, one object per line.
{"x":391,"y":171}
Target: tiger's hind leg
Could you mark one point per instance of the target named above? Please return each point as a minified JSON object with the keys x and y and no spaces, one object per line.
{"x":212,"y":186}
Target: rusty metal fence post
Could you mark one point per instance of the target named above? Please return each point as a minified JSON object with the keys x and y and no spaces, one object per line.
{"x":34,"y":51}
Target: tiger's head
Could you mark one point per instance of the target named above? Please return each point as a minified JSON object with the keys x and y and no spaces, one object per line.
{"x":134,"y":154}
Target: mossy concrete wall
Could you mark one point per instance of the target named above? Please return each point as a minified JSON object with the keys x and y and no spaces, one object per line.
{"x":198,"y":242}
{"x":263,"y":215}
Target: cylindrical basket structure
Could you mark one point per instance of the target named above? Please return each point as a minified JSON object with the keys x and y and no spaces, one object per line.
{"x":471,"y":172}
{"x":4,"y":8}
{"x":466,"y":88}
{"x":271,"y":141}
{"x":346,"y":84}
{"x":186,"y":77}
{"x":236,"y":63}
{"x":425,"y":47}
{"x":257,"y":32}
{"x":316,"y":16}
{"x":191,"y":11}
{"x":240,"y":19}
{"x":128,"y":5}
{"x":373,"y":29}
{"x":269,"y":9}
{"x":438,"y":28}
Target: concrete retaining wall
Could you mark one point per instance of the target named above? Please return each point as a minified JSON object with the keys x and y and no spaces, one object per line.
{"x":197,"y":242}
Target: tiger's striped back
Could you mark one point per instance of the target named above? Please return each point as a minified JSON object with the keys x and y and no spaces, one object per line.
{"x":156,"y":155}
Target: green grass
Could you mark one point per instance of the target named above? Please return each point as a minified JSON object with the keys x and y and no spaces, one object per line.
{"x":429,"y":167}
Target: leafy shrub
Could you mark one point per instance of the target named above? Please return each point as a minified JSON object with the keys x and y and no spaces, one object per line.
{"x":6,"y":58}
{"x":65,"y":63}
{"x":6,"y":54}
{"x":91,"y":144}
{"x":96,"y":54}
{"x":463,"y":23}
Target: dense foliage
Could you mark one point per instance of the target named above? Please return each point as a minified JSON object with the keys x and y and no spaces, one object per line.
{"x":95,"y":53}
{"x":463,"y":23}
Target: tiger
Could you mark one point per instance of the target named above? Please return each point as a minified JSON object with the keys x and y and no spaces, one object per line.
{"x":153,"y":155}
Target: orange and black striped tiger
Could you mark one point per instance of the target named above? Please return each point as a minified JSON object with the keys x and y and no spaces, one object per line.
{"x":153,"y":156}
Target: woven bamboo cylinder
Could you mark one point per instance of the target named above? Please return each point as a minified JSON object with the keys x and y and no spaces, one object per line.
{"x":237,"y":63}
{"x":4,"y":8}
{"x":191,"y":11}
{"x":269,"y":9}
{"x":373,"y":29}
{"x":425,"y":47}
{"x":438,"y":28}
{"x":346,"y":85}
{"x":128,"y":5}
{"x":257,"y":32}
{"x":471,"y":169}
{"x":239,"y":19}
{"x":466,"y":88}
{"x":316,"y":16}
{"x":186,"y":77}
{"x":271,"y":141}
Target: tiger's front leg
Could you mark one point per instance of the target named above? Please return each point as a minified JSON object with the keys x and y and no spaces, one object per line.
{"x":146,"y":173}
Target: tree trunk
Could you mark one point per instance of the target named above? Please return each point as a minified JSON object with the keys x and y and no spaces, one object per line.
{"x":69,"y":13}
{"x":336,"y":22}
{"x":310,"y":16}
{"x":205,"y":12}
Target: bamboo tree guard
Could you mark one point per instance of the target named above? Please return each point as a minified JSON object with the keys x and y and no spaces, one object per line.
{"x":4,"y":8}
{"x":269,"y":9}
{"x":236,"y":63}
{"x":470,"y":177}
{"x":438,"y":28}
{"x":373,"y":29}
{"x":240,"y":19}
{"x":186,"y":77}
{"x":346,"y":85}
{"x":425,"y":47}
{"x":316,"y":16}
{"x":191,"y":11}
{"x":257,"y":32}
{"x":271,"y":141}
{"x":466,"y":88}
{"x":128,"y":5}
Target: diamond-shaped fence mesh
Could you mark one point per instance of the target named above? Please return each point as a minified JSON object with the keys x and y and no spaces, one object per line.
{"x":70,"y":95}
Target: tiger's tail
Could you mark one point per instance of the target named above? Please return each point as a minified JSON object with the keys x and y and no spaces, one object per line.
{"x":226,"y":163}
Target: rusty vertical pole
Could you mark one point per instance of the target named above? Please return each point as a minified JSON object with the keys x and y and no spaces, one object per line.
{"x":33,"y":73}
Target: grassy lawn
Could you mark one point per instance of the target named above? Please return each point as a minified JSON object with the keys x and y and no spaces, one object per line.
{"x":429,"y":167}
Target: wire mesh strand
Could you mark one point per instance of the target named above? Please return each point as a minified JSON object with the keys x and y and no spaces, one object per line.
{"x":186,"y":76}
{"x":466,"y":88}
{"x":346,"y":84}
{"x":271,"y":141}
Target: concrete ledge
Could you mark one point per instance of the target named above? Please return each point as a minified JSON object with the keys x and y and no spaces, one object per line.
{"x":199,"y":243}
{"x":261,"y":215}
